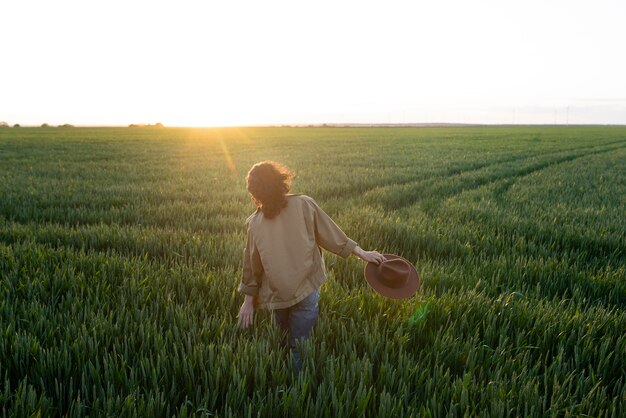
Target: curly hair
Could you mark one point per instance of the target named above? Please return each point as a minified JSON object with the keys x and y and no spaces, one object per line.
{"x":269,"y":182}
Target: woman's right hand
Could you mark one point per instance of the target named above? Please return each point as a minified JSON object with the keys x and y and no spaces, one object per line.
{"x":369,"y":256}
{"x":246,"y":312}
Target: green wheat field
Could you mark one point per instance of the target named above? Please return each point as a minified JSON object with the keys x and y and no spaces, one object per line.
{"x":120,"y":253}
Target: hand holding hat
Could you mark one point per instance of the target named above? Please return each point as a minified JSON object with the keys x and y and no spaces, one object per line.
{"x":395,"y":278}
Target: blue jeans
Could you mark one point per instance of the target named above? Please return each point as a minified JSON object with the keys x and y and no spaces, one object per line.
{"x":297,"y":323}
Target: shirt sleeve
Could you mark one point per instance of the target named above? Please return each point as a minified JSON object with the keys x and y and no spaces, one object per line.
{"x":329,"y":236}
{"x":252,"y":268}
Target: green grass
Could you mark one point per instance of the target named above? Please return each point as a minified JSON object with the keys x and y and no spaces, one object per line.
{"x":120,"y":253}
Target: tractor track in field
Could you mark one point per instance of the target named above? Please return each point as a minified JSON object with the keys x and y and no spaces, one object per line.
{"x":525,"y":172}
{"x":456,"y":170}
{"x":442,"y":193}
{"x":509,"y":182}
{"x":450,"y":172}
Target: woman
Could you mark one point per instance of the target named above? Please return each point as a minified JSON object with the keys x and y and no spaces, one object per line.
{"x":283,"y":266}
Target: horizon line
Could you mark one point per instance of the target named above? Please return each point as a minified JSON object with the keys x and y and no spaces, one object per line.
{"x":308,"y":125}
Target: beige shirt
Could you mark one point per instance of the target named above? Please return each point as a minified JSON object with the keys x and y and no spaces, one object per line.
{"x":282,"y":261}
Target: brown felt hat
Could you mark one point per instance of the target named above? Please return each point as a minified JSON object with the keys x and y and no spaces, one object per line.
{"x":395,"y":278}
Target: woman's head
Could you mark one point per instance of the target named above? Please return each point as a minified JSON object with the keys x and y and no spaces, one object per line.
{"x":269,"y":182}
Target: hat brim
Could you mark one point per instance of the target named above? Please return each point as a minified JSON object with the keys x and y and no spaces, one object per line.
{"x":412,"y":283}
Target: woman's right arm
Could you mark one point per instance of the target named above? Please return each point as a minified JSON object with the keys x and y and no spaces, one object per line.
{"x":330,"y":237}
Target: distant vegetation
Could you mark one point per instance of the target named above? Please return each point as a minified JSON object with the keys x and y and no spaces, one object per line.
{"x":4,"y":124}
{"x":43,"y":125}
{"x":139,"y":125}
{"x":117,"y":288}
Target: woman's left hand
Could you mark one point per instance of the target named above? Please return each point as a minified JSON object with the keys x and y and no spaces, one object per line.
{"x":246,"y":312}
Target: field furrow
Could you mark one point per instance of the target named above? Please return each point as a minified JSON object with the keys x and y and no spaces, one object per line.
{"x":434,"y":190}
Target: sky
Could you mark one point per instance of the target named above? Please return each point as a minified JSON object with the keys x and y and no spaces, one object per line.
{"x":224,"y":63}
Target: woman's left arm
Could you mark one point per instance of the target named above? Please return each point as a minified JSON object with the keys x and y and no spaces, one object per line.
{"x":250,"y":281}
